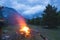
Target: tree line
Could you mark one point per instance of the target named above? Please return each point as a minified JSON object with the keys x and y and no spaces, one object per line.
{"x":50,"y":18}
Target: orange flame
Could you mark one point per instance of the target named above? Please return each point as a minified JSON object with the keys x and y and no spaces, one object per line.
{"x":25,"y":30}
{"x":23,"y":26}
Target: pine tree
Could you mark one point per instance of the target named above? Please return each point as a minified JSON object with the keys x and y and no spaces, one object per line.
{"x":50,"y":16}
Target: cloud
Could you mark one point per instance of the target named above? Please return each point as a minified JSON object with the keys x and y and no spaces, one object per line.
{"x":43,"y":2}
{"x":20,"y":6}
{"x":2,"y":2}
{"x":34,"y":9}
{"x":23,"y":5}
{"x":29,"y":7}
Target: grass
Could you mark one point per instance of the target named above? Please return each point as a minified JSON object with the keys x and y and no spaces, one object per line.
{"x":50,"y":34}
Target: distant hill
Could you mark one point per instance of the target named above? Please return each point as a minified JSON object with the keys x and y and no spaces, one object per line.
{"x":9,"y":14}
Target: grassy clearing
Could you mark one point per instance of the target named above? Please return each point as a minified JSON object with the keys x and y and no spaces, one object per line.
{"x":50,"y":34}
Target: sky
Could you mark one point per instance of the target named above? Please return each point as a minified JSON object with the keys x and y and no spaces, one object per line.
{"x":29,"y":7}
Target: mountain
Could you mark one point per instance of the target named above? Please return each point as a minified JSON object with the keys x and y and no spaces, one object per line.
{"x":10,"y":15}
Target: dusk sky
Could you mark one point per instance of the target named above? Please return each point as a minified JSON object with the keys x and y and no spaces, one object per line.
{"x":29,"y":7}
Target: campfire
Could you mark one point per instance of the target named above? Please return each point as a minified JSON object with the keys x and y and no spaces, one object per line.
{"x":24,"y":29}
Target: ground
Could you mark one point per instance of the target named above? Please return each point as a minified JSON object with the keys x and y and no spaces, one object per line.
{"x":50,"y":34}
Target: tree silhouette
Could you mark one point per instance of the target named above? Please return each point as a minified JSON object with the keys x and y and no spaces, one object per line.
{"x":50,"y":16}
{"x":58,"y":18}
{"x":37,"y":21}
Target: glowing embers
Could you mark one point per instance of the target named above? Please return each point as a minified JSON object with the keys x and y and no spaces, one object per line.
{"x":25,"y":31}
